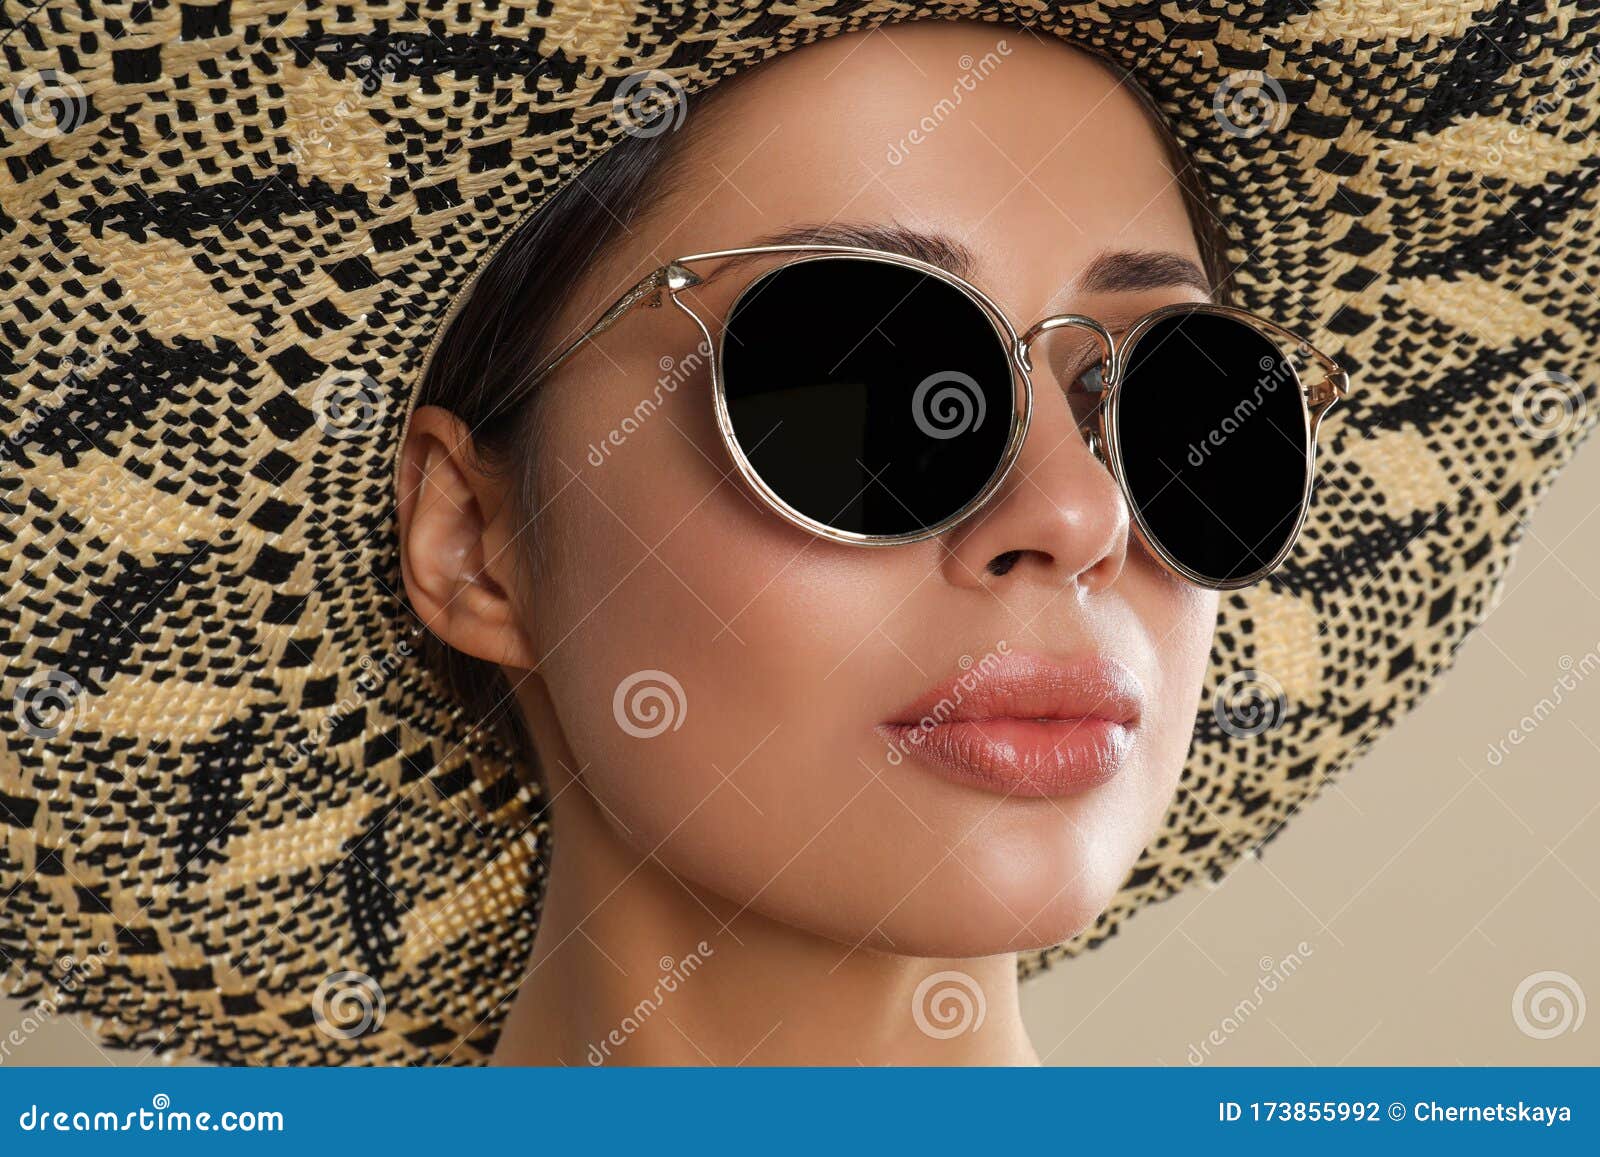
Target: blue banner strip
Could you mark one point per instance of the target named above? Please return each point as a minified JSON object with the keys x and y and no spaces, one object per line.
{"x":745,"y":1111}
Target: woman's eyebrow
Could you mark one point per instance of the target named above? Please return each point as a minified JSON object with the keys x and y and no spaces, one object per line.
{"x":934,"y":248}
{"x":1111,"y":271}
{"x":1132,"y":270}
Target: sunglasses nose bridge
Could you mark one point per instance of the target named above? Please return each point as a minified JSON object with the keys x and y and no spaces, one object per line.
{"x":1063,"y":321}
{"x":1107,"y":345}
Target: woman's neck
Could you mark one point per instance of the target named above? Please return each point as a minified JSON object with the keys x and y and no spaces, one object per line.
{"x":636,"y":966}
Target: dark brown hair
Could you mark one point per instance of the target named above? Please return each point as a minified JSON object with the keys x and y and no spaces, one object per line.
{"x":503,"y":329}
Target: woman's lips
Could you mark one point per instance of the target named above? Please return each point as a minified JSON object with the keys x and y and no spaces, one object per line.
{"x":1025,"y":726}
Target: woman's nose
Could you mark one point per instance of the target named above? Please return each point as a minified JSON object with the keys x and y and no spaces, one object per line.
{"x":1059,"y":519}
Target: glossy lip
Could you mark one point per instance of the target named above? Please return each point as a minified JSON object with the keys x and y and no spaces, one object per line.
{"x":1025,"y":725}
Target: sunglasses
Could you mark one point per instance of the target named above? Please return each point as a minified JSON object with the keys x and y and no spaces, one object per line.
{"x":875,"y":399}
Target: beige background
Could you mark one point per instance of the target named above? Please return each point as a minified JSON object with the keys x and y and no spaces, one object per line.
{"x":1425,"y":887}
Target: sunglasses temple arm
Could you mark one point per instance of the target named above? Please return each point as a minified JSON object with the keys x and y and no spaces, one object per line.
{"x":648,"y":292}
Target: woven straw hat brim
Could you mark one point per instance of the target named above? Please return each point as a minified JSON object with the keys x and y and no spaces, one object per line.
{"x":226,"y":785}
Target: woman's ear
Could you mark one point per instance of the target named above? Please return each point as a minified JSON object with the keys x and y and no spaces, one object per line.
{"x":458,"y":542}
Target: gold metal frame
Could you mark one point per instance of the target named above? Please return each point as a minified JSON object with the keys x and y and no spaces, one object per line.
{"x":676,"y":276}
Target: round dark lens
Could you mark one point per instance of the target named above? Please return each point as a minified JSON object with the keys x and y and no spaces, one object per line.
{"x":1212,"y":432}
{"x":870,"y":397}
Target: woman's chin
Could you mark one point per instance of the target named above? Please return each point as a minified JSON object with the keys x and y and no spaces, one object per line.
{"x":965,"y":925}
{"x":991,"y":934}
{"x":1007,"y":912}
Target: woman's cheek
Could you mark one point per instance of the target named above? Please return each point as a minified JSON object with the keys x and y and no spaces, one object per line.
{"x":1182,"y":618}
{"x":680,"y":625}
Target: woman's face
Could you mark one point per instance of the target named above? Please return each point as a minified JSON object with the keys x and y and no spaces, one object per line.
{"x":783,"y":783}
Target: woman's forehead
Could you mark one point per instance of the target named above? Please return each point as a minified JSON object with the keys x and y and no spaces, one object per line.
{"x":1029,"y":152}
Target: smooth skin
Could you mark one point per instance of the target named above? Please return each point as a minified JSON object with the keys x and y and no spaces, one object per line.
{"x":825,"y":880}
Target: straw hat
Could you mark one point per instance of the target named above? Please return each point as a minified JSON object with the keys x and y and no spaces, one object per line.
{"x":240,"y":816}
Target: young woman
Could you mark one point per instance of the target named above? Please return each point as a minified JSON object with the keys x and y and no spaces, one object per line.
{"x":805,"y":653}
{"x":834,"y":769}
